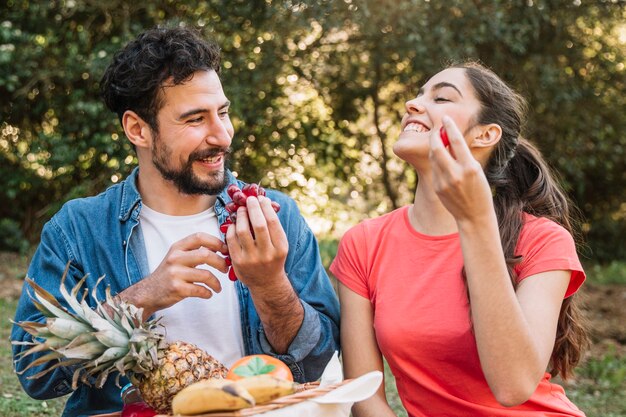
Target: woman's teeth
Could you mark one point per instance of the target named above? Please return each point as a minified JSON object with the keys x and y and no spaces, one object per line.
{"x":415,"y":127}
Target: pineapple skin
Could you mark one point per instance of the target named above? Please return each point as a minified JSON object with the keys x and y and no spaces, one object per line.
{"x":179,"y":365}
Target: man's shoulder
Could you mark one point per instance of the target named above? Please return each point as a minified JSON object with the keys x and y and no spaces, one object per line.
{"x":93,"y":207}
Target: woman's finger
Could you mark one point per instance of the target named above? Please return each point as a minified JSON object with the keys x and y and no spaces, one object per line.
{"x":458,"y":146}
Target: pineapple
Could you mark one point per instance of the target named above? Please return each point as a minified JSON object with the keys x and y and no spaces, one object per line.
{"x":113,"y":338}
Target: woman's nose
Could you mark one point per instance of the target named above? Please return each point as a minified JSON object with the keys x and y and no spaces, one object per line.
{"x":415,"y":106}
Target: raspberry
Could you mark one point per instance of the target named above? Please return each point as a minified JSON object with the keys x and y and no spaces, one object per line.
{"x":232,"y":188}
{"x":239,"y":198}
{"x":231,"y":274}
{"x":444,"y":137}
{"x":251,"y":190}
{"x":224,"y":226}
{"x":231,"y":207}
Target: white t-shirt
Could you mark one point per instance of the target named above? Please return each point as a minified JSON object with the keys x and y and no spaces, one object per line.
{"x":214,"y":325}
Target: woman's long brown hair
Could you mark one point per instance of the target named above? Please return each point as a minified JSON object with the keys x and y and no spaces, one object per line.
{"x":522,"y":182}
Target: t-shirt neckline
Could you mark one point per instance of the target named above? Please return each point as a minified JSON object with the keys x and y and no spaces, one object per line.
{"x":420,"y":235}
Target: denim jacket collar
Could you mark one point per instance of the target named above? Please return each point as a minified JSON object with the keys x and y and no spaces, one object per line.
{"x":131,"y":197}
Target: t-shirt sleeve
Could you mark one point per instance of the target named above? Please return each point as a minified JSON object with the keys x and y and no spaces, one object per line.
{"x":349,"y":266}
{"x":547,"y":246}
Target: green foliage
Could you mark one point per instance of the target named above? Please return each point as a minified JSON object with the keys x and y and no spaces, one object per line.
{"x":607,"y":372}
{"x":318,"y":89}
{"x":606,"y":238}
{"x":14,"y":402}
{"x":612,"y":273}
{"x":11,"y":236}
{"x":392,"y":393}
{"x":328,"y":250}
{"x":600,"y":386}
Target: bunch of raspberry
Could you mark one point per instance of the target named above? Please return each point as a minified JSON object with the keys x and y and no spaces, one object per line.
{"x":239,"y":198}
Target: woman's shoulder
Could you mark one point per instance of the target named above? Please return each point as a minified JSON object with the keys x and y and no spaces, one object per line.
{"x":538,"y":226}
{"x":541,"y":236}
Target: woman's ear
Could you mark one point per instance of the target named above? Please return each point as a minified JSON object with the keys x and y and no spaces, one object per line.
{"x":137,"y":130}
{"x":487,"y":136}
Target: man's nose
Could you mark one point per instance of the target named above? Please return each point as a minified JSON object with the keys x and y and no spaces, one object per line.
{"x":220,"y":133}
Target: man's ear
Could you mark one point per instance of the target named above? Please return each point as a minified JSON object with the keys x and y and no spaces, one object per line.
{"x":137,"y":130}
{"x":487,"y":136}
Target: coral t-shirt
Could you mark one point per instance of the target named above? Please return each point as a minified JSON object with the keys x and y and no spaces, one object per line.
{"x":422,"y":316}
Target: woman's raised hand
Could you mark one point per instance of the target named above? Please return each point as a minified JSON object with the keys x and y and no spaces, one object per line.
{"x":458,"y":178}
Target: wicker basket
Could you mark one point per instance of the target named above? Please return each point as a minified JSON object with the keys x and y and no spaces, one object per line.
{"x":304,"y":392}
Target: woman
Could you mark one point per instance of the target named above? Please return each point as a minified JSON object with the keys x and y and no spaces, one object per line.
{"x":468,"y":292}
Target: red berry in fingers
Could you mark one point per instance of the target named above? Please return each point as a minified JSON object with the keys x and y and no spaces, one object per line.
{"x":251,"y":190}
{"x":228,"y":261}
{"x":224,"y":226}
{"x":232,"y":188}
{"x":444,"y":136}
{"x":231,"y":207}
{"x":239,"y":198}
{"x":231,"y":274}
{"x":275,"y":206}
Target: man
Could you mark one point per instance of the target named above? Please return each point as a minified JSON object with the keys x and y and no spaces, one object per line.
{"x":156,"y":238}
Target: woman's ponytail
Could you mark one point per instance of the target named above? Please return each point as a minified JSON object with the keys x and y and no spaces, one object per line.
{"x":522,"y":182}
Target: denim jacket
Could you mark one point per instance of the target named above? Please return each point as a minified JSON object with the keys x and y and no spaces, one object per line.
{"x":101,"y":235}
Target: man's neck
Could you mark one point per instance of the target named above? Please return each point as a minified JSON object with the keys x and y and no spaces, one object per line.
{"x":163,"y":196}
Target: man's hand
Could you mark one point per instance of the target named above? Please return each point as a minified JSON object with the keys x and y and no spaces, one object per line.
{"x":258,"y":249}
{"x":257,"y":244}
{"x":177,"y":277}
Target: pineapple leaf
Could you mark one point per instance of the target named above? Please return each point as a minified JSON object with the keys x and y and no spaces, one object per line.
{"x":75,"y":378}
{"x":41,"y":360}
{"x":34,"y":328}
{"x":53,"y":342}
{"x":67,"y":329}
{"x":92,"y":317}
{"x":71,"y":298}
{"x":110,"y":355}
{"x":39,"y":347}
{"x":126,"y":325}
{"x":52,"y":306}
{"x":114,"y":319}
{"x":89,"y":350}
{"x":56,"y":365}
{"x":94,"y":295}
{"x":112,"y":337}
{"x":81,"y":340}
{"x":85,"y":291}
{"x":102,"y":378}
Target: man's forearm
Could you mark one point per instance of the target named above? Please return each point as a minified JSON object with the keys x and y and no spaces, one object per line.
{"x":135,"y":294}
{"x":281,"y":313}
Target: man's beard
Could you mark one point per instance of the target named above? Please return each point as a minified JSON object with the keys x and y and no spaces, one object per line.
{"x":184,"y":178}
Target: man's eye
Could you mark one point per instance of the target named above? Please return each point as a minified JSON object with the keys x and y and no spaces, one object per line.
{"x":441,"y":99}
{"x":196,"y":120}
{"x":223,"y":114}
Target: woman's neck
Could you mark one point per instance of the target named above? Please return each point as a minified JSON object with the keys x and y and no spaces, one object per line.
{"x":428,"y":215}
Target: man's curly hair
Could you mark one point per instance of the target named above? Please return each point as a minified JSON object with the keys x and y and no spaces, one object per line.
{"x":135,"y":77}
